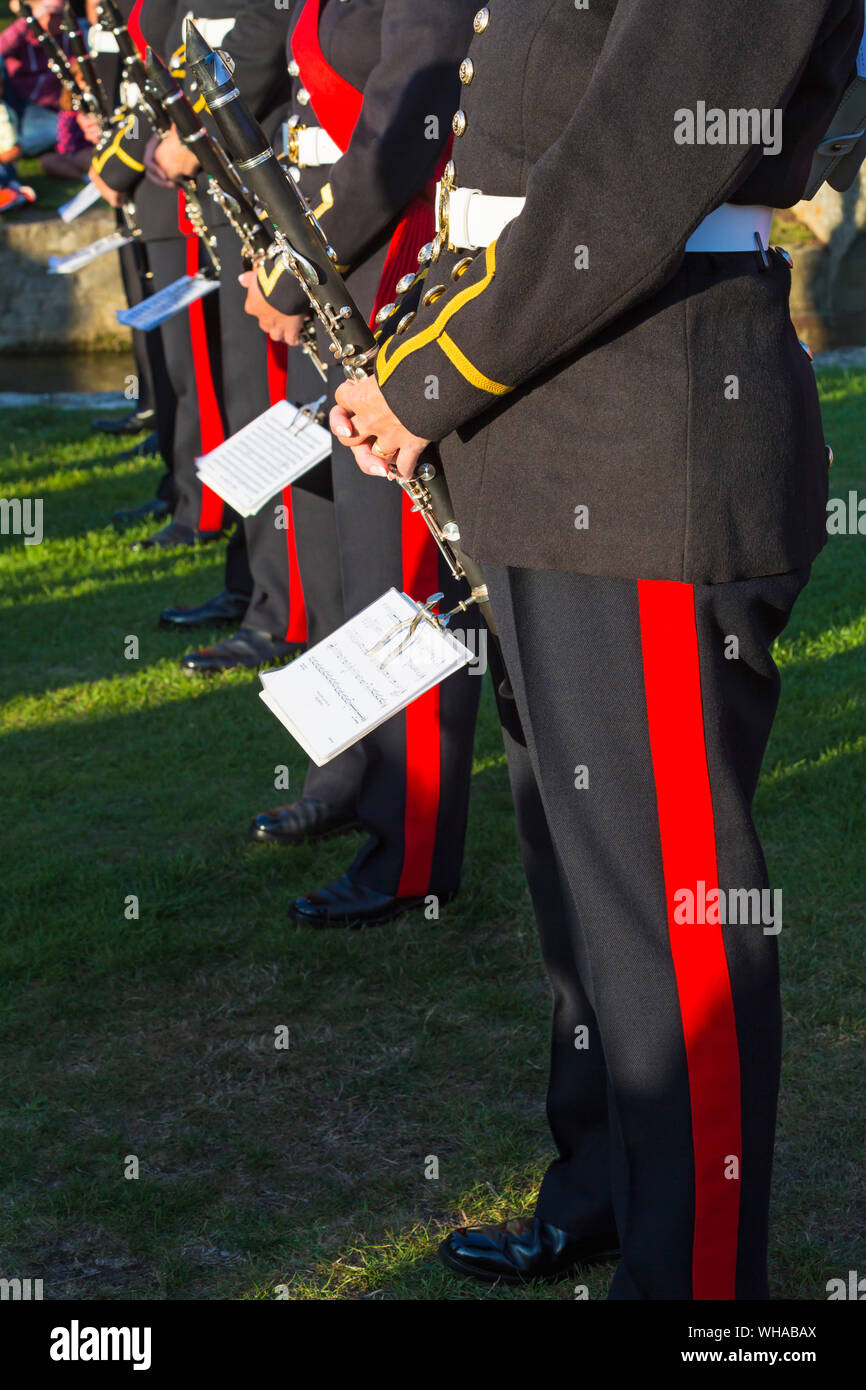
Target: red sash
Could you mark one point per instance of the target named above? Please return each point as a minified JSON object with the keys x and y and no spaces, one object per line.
{"x":338,"y":105}
{"x":133,"y":24}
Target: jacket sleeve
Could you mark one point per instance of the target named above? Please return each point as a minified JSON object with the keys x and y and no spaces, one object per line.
{"x":609,"y":206}
{"x":119,"y":156}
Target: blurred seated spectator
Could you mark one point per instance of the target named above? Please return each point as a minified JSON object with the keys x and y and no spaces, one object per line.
{"x":74,"y":152}
{"x":31,"y":94}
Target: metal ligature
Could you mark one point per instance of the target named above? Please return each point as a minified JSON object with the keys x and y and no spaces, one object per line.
{"x":225,"y":185}
{"x":306,"y":253}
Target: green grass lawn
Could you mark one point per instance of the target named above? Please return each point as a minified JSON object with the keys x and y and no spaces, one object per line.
{"x":155,"y":1037}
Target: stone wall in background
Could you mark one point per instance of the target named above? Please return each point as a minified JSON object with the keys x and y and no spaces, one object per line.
{"x":828,"y":302}
{"x":60,"y":313}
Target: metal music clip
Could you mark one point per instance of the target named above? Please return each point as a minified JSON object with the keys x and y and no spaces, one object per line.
{"x":424,"y":614}
{"x":307,"y":414}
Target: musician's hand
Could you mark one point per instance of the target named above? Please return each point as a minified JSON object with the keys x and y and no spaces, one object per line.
{"x":361,"y":418}
{"x":89,"y":127}
{"x":281,"y":328}
{"x":111,"y":196}
{"x":173,"y":158}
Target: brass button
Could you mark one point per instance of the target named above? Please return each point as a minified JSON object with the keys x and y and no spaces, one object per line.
{"x":467,"y":71}
{"x":385,"y":312}
{"x":294,"y":70}
{"x":461,"y":267}
{"x":458,"y":125}
{"x":481,"y":20}
{"x":405,"y":283}
{"x":432,"y":295}
{"x":425,"y":254}
{"x":405,"y":321}
{"x":302,"y":96}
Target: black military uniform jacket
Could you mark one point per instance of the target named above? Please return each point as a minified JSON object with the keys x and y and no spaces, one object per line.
{"x":403,"y":56}
{"x":254,"y":35}
{"x":120,"y":157}
{"x":582,"y":361}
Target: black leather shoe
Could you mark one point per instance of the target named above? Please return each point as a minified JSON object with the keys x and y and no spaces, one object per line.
{"x":150,"y":445}
{"x":521,"y":1249}
{"x":225,"y":608}
{"x":135,"y":423}
{"x":304,"y":820}
{"x":248,"y":648}
{"x":347,"y":904}
{"x":175,"y":534}
{"x":130,"y":516}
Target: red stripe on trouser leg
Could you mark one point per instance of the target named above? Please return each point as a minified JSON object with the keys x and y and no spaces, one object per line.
{"x":672,"y":679}
{"x":212,"y":512}
{"x":278,"y":371}
{"x":423,"y":751}
{"x":297,"y":628}
{"x":278,"y":380}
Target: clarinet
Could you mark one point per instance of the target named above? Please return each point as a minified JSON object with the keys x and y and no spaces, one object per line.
{"x":89,"y":92}
{"x":135,"y":73}
{"x":226,"y":187}
{"x":95,"y":94}
{"x":306,"y":253}
{"x":55,"y":57}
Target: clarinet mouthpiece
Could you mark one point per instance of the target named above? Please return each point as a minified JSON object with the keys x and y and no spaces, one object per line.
{"x":198,"y":50}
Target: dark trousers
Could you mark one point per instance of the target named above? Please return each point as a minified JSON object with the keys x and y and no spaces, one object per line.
{"x":253,"y":378}
{"x":155,"y":391}
{"x":408,"y":781}
{"x":193,"y":355}
{"x":134,"y":273}
{"x":644,"y":727}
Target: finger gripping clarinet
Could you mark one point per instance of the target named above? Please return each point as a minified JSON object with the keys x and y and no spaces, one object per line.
{"x":307,"y":254}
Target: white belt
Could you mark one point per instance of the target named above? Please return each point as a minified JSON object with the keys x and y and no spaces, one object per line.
{"x":130,"y":94}
{"x":732,"y":228}
{"x":101,"y":40}
{"x":309,"y":147}
{"x":213,"y":31}
{"x":475,"y":219}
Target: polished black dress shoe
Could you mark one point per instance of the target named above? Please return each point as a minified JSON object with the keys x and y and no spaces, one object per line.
{"x":521,"y":1249}
{"x":150,"y":445}
{"x":175,"y":534}
{"x":248,"y":648}
{"x":131,"y":516}
{"x":225,"y":608}
{"x":348,"y":904}
{"x":304,"y":820}
{"x":135,"y":423}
